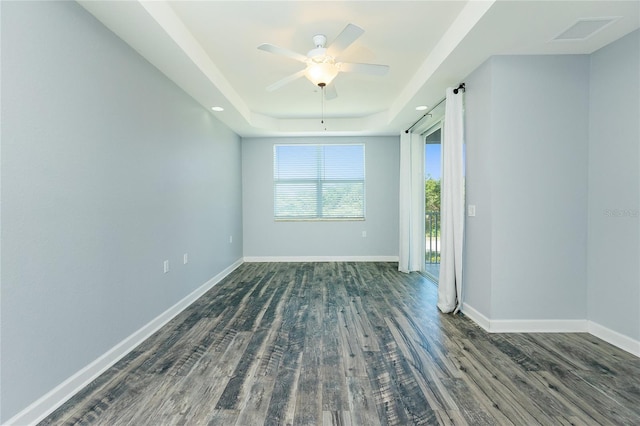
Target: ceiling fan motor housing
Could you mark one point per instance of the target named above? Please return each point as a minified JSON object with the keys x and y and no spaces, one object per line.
{"x":319,"y":40}
{"x":319,"y":51}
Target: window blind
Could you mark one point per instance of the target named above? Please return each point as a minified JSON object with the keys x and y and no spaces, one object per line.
{"x":319,"y":181}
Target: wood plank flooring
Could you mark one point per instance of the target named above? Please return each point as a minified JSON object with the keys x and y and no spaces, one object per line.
{"x":352,"y":344}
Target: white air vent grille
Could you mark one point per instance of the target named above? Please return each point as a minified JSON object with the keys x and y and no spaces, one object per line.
{"x":584,"y":28}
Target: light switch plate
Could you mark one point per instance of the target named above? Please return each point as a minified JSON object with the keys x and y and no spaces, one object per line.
{"x":471,"y":209}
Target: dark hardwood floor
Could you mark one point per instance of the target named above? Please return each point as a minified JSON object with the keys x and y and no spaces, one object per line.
{"x":352,"y":344}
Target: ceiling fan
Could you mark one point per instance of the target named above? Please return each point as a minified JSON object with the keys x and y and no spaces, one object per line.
{"x":322,"y":64}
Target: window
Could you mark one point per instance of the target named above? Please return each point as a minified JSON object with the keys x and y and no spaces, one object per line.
{"x":318,"y":181}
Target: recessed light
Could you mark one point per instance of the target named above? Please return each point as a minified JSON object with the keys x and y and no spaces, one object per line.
{"x":217,"y":108}
{"x":421,"y":108}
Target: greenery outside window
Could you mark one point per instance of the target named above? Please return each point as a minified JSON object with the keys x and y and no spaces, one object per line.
{"x":318,"y":182}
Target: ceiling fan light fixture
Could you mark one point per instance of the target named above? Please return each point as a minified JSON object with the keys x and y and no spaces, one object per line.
{"x":321,"y":62}
{"x":321,"y":73}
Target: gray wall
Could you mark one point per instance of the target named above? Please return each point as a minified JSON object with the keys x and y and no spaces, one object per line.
{"x":107,"y":170}
{"x":553,"y":165}
{"x":614,"y":187}
{"x":264,"y":237}
{"x":528,"y":179}
{"x":478,"y":231}
{"x":539,"y":186}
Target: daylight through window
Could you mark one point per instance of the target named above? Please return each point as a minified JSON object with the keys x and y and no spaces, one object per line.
{"x":318,"y":181}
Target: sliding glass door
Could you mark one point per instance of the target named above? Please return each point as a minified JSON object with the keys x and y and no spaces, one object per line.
{"x":432,"y":167}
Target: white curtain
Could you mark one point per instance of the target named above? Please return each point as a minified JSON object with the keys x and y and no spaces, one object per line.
{"x":451,"y":205}
{"x":411,"y":254}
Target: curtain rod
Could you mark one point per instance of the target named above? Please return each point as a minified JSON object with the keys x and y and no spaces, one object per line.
{"x":456,"y":90}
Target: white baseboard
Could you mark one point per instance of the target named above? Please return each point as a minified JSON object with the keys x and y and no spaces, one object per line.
{"x":621,"y":341}
{"x":44,"y":406}
{"x":524,"y":326}
{"x":475,"y":316}
{"x":254,"y":259}
{"x":538,"y":326}
{"x":625,"y":343}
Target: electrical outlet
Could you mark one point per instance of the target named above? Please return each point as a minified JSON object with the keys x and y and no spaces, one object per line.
{"x":364,"y":234}
{"x":471,"y":210}
{"x":166,"y":266}
{"x":185,"y":258}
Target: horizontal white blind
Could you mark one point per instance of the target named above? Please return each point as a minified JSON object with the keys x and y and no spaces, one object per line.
{"x":318,"y":181}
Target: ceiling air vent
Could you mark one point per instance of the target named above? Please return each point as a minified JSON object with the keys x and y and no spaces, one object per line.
{"x":584,"y":28}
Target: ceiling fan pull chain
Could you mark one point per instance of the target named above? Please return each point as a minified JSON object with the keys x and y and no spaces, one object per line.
{"x":322,"y":86}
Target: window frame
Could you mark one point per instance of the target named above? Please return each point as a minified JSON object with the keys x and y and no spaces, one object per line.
{"x":318,"y":181}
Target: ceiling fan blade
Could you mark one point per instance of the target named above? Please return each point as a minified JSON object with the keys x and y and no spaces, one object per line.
{"x":278,"y":84}
{"x":371,"y":69}
{"x":271,"y":48}
{"x":349,"y":34}
{"x":330,"y":92}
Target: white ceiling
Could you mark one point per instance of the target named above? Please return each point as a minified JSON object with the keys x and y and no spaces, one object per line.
{"x":209,"y":48}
